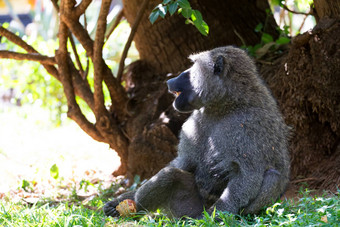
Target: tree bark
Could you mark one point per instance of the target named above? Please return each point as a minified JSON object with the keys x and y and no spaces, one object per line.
{"x":326,"y":8}
{"x":306,"y":81}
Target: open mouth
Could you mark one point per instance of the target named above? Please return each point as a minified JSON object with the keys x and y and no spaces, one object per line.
{"x":176,"y":93}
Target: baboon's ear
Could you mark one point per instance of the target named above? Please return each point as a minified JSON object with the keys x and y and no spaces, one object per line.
{"x":219,"y":65}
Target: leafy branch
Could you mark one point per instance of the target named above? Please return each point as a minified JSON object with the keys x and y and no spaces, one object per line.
{"x":267,"y":42}
{"x":183,"y":7}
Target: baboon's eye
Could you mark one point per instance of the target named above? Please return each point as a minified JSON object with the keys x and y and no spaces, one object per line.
{"x":218,"y":65}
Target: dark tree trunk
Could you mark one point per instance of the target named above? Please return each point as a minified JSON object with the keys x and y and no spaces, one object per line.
{"x":307,"y":84}
{"x":164,"y":47}
{"x":306,"y":81}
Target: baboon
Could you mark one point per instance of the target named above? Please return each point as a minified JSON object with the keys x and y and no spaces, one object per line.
{"x":232,"y":151}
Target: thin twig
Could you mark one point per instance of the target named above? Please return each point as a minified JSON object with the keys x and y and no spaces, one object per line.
{"x":74,"y":49}
{"x":292,"y":11}
{"x":130,"y":39}
{"x":31,"y":57}
{"x":117,"y":21}
{"x":85,"y":21}
{"x":86,"y":72}
{"x":264,"y":62}
{"x":240,"y":37}
{"x":87,"y":57}
{"x":303,"y":23}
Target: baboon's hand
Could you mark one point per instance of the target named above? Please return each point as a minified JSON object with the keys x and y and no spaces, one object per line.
{"x":110,"y":208}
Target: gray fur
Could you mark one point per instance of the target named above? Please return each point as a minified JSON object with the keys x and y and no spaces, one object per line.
{"x":232,"y":153}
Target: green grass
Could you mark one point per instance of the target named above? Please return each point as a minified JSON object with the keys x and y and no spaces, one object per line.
{"x":307,"y":211}
{"x":21,"y":214}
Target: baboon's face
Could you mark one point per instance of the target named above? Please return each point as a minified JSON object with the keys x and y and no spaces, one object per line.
{"x":181,"y":87}
{"x":199,"y":84}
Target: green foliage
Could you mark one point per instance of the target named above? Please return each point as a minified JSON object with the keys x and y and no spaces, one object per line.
{"x":183,"y":7}
{"x":309,"y":210}
{"x":54,"y":171}
{"x":26,"y":185}
{"x":303,"y":5}
{"x":31,"y":81}
{"x":267,"y":42}
{"x":84,"y":184}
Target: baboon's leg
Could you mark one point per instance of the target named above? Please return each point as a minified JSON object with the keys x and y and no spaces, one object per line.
{"x":269,"y":192}
{"x":240,"y":190}
{"x":173,"y":190}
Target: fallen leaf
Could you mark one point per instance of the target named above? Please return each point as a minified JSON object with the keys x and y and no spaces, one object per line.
{"x":324,"y":219}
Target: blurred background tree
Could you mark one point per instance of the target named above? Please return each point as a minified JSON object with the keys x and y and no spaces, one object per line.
{"x":83,"y":47}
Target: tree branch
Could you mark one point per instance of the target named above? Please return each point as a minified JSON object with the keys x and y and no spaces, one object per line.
{"x":130,"y":39}
{"x":292,"y":11}
{"x":18,"y":41}
{"x":80,"y":9}
{"x":98,"y":60}
{"x":31,"y":57}
{"x":62,"y":57}
{"x":117,"y":93}
{"x":79,"y":32}
{"x":68,"y":6}
{"x":73,"y":45}
{"x":81,"y":86}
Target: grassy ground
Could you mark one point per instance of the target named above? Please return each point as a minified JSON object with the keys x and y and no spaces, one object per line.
{"x":307,"y":211}
{"x":60,"y":177}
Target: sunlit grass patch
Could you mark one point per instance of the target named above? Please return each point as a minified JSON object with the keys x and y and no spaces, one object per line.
{"x":307,"y":211}
{"x":21,"y":214}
